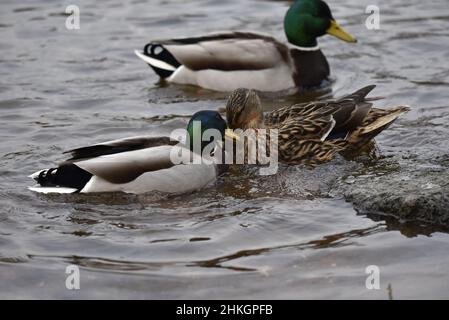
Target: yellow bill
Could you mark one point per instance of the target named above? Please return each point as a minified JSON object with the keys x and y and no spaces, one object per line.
{"x":338,"y":32}
{"x":229,"y":134}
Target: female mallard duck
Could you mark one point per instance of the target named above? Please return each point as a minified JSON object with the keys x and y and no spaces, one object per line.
{"x":312,"y":133}
{"x":137,"y":165}
{"x":228,"y":61}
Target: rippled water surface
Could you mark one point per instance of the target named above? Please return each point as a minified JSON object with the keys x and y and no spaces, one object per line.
{"x":284,"y":236}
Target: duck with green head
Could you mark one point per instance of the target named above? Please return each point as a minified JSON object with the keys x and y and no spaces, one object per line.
{"x":227,"y":61}
{"x":140,"y":164}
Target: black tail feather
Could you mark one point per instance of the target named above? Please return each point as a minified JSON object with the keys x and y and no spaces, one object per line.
{"x":67,"y":175}
{"x":157,"y":51}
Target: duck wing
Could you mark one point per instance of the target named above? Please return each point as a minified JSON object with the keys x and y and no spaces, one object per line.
{"x":348,"y":112}
{"x":299,"y":112}
{"x":302,"y":133}
{"x":352,"y":111}
{"x":306,"y":122}
{"x":124,"y":167}
{"x":117,"y":146}
{"x":223,"y":51}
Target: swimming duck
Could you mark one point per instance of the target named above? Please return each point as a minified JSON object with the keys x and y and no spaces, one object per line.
{"x":227,"y":61}
{"x":313,"y":133}
{"x":139,"y":164}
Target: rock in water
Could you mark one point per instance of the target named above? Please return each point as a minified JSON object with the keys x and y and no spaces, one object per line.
{"x":409,"y":189}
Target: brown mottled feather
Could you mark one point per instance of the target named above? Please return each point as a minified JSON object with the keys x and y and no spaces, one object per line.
{"x":310,"y":152}
{"x":376,"y":121}
{"x":312,"y":110}
{"x":302,"y":127}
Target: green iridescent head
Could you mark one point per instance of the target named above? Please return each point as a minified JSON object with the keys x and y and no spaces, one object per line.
{"x":307,"y":20}
{"x":205,"y":120}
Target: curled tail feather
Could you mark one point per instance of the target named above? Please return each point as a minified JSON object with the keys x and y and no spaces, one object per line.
{"x":159,"y":58}
{"x":68,"y":175}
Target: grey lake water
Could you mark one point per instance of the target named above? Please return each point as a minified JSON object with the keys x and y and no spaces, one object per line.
{"x":291,"y":236}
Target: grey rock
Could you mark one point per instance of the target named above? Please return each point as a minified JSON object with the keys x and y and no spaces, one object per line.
{"x":408,"y":189}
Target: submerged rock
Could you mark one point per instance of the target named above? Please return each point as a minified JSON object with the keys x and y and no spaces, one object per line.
{"x":408,"y":189}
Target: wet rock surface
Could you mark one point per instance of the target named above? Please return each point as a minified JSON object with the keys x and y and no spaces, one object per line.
{"x":408,"y":189}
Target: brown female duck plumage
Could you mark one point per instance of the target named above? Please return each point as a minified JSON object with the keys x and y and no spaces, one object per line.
{"x":314,"y":132}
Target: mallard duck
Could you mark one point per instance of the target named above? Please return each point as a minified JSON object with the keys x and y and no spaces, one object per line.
{"x":137,"y":165}
{"x":227,"y":61}
{"x":312,"y":133}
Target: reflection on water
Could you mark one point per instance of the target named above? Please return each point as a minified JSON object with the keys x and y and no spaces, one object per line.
{"x":291,"y":235}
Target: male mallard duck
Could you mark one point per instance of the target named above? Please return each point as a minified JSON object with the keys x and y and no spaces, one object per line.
{"x":312,"y":133}
{"x":136,"y":165}
{"x":228,"y":61}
